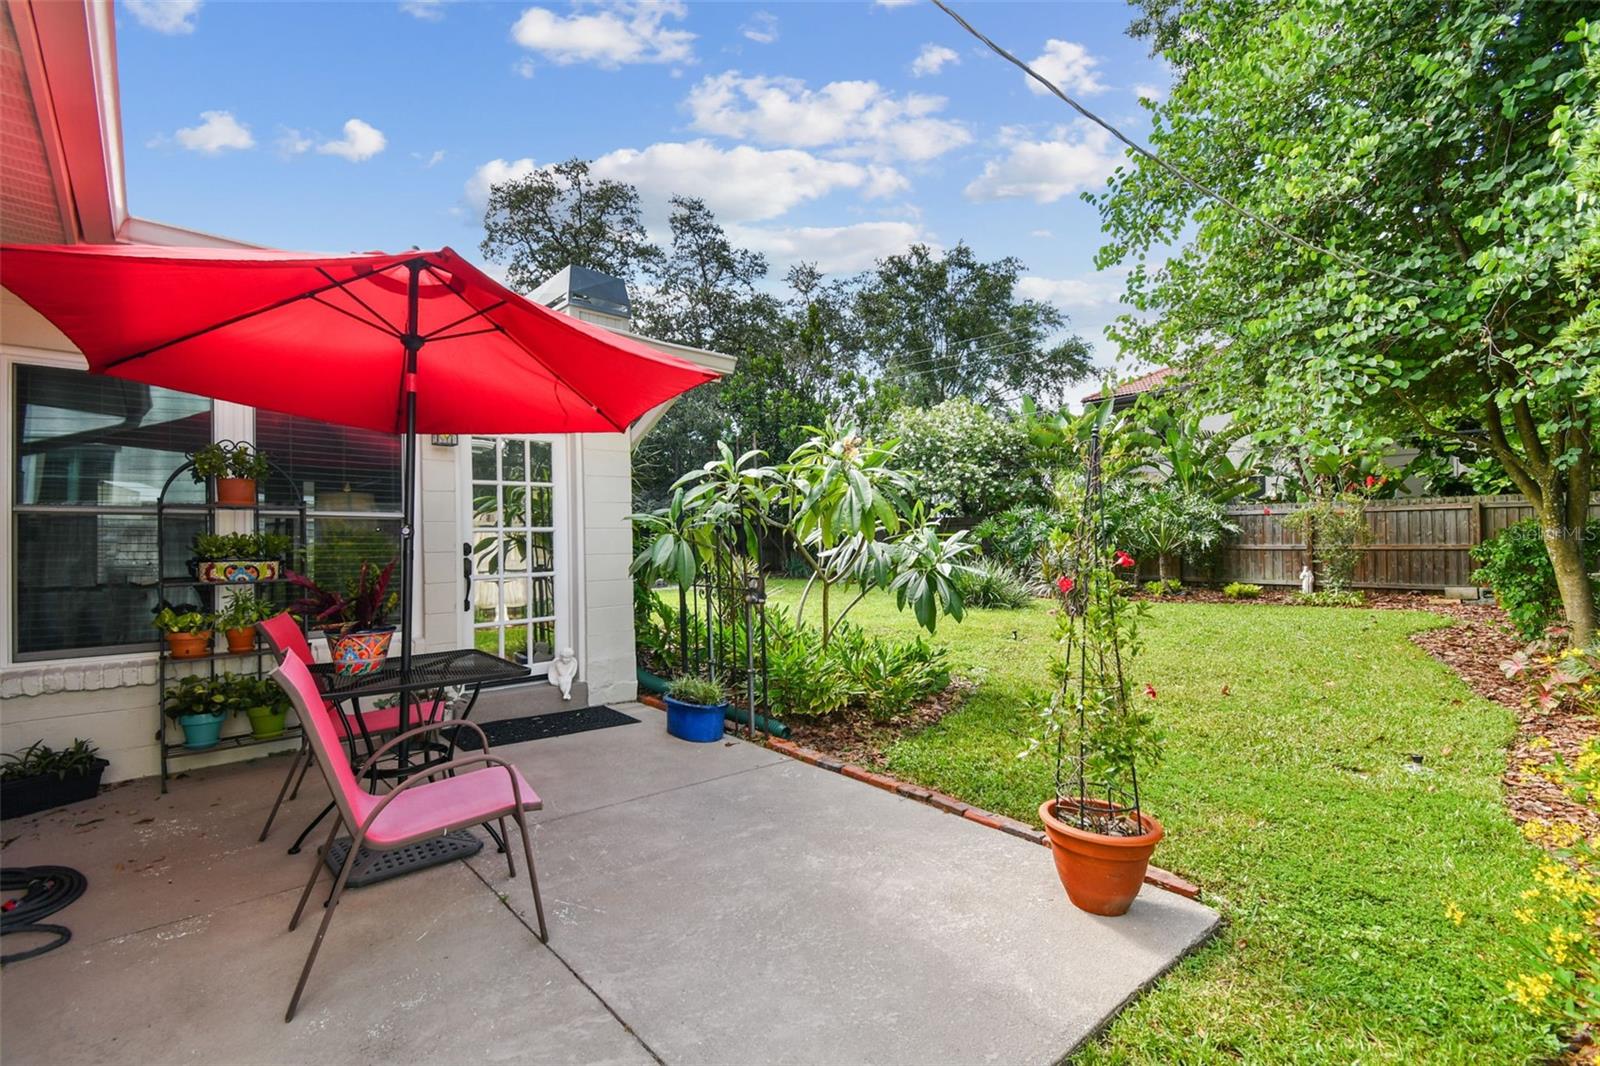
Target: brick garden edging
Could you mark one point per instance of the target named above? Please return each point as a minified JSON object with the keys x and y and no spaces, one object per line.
{"x":1162,"y":879}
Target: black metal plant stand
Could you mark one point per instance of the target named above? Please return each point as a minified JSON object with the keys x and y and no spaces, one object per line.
{"x":722,"y":629}
{"x":288,"y":521}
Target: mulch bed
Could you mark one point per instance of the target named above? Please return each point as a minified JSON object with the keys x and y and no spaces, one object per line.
{"x":857,"y":739}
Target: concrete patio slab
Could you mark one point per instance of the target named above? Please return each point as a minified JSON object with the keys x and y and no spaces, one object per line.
{"x":712,"y":903}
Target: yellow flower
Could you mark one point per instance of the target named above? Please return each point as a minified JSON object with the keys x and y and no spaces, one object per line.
{"x":1523,"y":915}
{"x":1530,"y":989}
{"x":1561,"y":943}
{"x":1454,"y":912}
{"x":1529,"y":893}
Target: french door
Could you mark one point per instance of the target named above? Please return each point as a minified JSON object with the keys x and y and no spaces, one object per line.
{"x":512,"y":555}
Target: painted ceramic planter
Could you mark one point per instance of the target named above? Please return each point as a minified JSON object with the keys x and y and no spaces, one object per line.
{"x":360,"y":651}
{"x":238,"y":571}
{"x":1102,"y":874}
{"x":236,"y":491}
{"x":188,"y":645}
{"x":201,"y":730}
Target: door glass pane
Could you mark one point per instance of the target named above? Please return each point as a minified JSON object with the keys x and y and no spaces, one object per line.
{"x":483,"y":468}
{"x":485,"y":513}
{"x":515,"y":595}
{"x":486,"y":554}
{"x":513,"y":460}
{"x":544,"y":597}
{"x":514,"y":505}
{"x":514,"y":548}
{"x":539,"y":507}
{"x":487,"y":640}
{"x":543,"y":557}
{"x":485,"y":601}
{"x":539,"y":460}
{"x":542,"y":646}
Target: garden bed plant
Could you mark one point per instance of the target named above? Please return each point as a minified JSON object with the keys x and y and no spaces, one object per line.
{"x":40,"y":777}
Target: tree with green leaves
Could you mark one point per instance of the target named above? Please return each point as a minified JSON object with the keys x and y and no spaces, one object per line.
{"x":559,"y":216}
{"x":938,"y":327}
{"x":1406,"y":243}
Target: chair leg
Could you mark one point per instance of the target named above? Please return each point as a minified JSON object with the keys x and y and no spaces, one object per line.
{"x":310,"y":758}
{"x":322,"y":930}
{"x":282,"y":789}
{"x":511,"y":864}
{"x":316,"y":870}
{"x":533,"y":877}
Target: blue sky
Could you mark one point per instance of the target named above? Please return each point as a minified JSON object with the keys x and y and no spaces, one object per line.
{"x":834,"y":133}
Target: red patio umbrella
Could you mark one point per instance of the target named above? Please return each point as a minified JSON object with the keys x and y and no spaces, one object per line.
{"x":405,"y":343}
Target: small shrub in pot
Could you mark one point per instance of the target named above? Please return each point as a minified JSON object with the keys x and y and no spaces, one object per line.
{"x":695,"y":709}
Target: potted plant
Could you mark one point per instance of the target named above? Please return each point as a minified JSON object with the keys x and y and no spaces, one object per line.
{"x":262,"y":701}
{"x":695,"y":709}
{"x":234,"y":468}
{"x":187,"y":630}
{"x":238,"y":620}
{"x":239,"y":558}
{"x":40,"y":777}
{"x":354,"y":620}
{"x":199,"y":705}
{"x":1094,"y":729}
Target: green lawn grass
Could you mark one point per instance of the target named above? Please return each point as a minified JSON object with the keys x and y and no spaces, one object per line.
{"x":1289,"y":801}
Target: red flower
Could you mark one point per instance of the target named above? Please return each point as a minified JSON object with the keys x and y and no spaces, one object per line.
{"x":1266,"y":510}
{"x":1149,"y":690}
{"x":1371,"y":481}
{"x":1124,"y":559}
{"x":1064,"y":583}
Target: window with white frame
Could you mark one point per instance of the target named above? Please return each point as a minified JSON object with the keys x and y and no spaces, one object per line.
{"x":90,"y":455}
{"x":89,"y":458}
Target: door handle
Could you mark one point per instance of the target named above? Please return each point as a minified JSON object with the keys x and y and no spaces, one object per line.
{"x":466,"y":573}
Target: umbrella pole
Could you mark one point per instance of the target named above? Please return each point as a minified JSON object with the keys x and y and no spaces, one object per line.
{"x":413,"y":343}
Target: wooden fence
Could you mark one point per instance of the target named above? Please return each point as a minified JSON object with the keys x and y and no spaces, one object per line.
{"x":1420,"y":544}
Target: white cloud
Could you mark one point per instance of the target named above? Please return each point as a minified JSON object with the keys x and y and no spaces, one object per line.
{"x":293,"y":142}
{"x":217,"y":132}
{"x":762,"y":27}
{"x":832,"y":248}
{"x":1042,"y":234}
{"x":165,"y":16}
{"x":1092,"y":302}
{"x":1069,"y":65}
{"x":1153,"y":93}
{"x":853,"y":117}
{"x":609,"y":36}
{"x":933,"y":59}
{"x":426,"y":10}
{"x":525,"y":67}
{"x":433,"y":160}
{"x":740,"y":184}
{"x":361,"y":141}
{"x":1076,"y":158}
{"x":894,"y":3}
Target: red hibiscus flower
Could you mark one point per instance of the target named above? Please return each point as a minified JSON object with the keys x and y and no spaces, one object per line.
{"x":1064,"y":583}
{"x":1124,"y":559}
{"x":1371,"y":481}
{"x":1149,"y":690}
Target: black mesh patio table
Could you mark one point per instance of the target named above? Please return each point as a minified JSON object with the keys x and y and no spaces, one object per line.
{"x":464,"y":668}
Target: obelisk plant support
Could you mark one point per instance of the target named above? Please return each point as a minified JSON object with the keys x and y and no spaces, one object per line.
{"x":1095,"y":729}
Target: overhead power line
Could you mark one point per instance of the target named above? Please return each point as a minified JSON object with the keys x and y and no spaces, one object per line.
{"x":1163,"y":164}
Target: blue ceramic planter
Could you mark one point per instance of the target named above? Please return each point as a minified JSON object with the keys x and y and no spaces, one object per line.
{"x":694,"y":722}
{"x":201,"y":730}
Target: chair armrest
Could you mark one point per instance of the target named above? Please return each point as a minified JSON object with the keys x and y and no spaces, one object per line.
{"x":431,"y":727}
{"x":424,"y":776}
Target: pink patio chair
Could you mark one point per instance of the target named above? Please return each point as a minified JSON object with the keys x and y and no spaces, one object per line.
{"x":285,"y":637}
{"x":421,"y":807}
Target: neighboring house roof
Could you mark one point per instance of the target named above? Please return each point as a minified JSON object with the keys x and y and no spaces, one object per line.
{"x":1151,"y":382}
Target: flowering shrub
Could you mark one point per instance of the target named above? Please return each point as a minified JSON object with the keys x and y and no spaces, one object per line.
{"x":1557,"y":918}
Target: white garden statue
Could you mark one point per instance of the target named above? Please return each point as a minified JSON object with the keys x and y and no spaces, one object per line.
{"x":563,"y":671}
{"x":1308,"y":580}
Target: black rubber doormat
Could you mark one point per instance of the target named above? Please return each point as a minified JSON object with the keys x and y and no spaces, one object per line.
{"x":545,"y":726}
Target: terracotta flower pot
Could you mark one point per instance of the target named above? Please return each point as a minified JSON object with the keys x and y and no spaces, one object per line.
{"x":242,"y":640}
{"x":237,"y":491}
{"x":1102,"y":874}
{"x":189,"y":645}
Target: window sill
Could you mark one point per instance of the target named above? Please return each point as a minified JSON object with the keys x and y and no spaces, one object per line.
{"x":52,"y":676}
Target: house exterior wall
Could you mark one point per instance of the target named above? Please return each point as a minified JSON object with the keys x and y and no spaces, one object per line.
{"x":112,"y":700}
